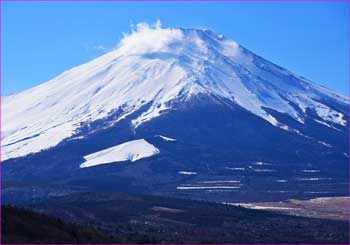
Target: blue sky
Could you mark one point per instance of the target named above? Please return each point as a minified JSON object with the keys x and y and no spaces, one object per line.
{"x":42,"y":39}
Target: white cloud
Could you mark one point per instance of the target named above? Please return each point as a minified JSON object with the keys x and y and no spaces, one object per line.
{"x":147,"y":38}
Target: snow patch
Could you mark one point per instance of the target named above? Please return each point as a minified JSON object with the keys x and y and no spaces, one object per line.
{"x":166,"y":138}
{"x":235,"y":169}
{"x":324,"y":143}
{"x":329,"y":114}
{"x":205,"y":187}
{"x":281,"y":181}
{"x":316,"y":192}
{"x":187,"y":173}
{"x":311,"y":171}
{"x":263,"y":163}
{"x":314,"y":179}
{"x":128,"y":151}
{"x":326,"y":124}
{"x":264,"y":170}
{"x":219,"y":181}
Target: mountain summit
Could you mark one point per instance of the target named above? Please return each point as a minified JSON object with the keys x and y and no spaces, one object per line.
{"x":197,"y":104}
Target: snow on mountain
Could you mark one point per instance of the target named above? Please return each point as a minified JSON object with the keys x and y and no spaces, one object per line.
{"x":128,"y":151}
{"x":166,"y":138}
{"x":187,"y":173}
{"x":154,"y":66}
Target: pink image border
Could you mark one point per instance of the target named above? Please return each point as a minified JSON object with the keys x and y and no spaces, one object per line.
{"x":160,"y":1}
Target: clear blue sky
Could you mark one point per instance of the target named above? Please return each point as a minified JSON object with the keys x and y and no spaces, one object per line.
{"x":42,"y":39}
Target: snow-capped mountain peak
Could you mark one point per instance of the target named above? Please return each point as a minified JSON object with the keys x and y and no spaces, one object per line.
{"x":154,"y":66}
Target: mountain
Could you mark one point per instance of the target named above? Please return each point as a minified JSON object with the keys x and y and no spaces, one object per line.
{"x":178,"y":112}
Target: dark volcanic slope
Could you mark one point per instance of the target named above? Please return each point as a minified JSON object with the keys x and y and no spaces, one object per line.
{"x":172,"y":220}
